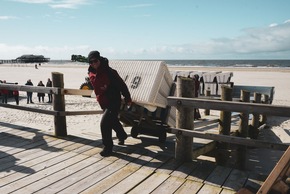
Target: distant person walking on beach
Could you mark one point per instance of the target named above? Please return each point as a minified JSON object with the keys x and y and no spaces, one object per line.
{"x":29,"y":94}
{"x":16,"y":96}
{"x":4,"y":94}
{"x":40,"y":95}
{"x":49,"y":84}
{"x":108,"y":87}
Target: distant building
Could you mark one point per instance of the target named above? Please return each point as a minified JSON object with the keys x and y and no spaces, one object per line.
{"x":32,"y":59}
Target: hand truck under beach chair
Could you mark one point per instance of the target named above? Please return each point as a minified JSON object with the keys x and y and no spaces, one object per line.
{"x":146,"y":122}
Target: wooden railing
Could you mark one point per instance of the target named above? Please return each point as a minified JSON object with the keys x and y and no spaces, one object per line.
{"x":52,"y":90}
{"x":58,"y":92}
{"x":184,"y":104}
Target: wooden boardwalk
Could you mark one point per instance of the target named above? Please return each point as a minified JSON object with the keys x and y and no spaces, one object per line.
{"x":34,"y":161}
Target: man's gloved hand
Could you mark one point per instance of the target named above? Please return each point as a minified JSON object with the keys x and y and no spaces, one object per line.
{"x":90,"y":69}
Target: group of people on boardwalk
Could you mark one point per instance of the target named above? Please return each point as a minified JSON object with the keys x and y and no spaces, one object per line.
{"x":5,"y":93}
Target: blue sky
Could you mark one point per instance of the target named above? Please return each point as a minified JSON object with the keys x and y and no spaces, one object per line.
{"x":146,"y":29}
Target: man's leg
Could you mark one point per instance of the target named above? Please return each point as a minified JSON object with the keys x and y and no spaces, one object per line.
{"x":106,"y":130}
{"x":118,"y":128}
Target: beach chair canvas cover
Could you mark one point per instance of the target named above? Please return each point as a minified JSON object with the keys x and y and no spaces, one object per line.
{"x":149,"y":82}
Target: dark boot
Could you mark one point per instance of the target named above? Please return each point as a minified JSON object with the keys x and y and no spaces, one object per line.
{"x":106,"y":152}
{"x":122,"y":139}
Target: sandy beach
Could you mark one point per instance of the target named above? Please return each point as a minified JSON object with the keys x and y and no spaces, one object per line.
{"x":88,"y":126}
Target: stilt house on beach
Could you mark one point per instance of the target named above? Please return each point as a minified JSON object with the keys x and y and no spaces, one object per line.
{"x":32,"y":59}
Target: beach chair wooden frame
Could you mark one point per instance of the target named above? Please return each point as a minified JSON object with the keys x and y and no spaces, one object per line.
{"x":276,"y":180}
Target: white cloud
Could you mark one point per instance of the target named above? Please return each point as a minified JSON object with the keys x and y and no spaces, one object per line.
{"x":137,"y":5}
{"x":35,"y":1}
{"x":66,"y":4}
{"x":268,"y":42}
{"x":64,"y":52}
{"x":7,"y":17}
{"x":273,"y":25}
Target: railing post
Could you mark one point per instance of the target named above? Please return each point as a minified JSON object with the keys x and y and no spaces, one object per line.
{"x":59,"y":105}
{"x":222,"y":153}
{"x":266,"y":101}
{"x":207,"y":111}
{"x":256,"y":118}
{"x":184,"y":119}
{"x":243,"y":132}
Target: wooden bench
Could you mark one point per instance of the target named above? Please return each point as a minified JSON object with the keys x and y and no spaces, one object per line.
{"x":265,"y":90}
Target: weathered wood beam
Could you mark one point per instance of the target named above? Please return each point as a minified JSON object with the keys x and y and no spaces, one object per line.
{"x":246,"y":107}
{"x":89,"y":112}
{"x":230,"y":139}
{"x":66,"y":91}
{"x":40,"y":89}
{"x":203,"y":149}
{"x":47,"y":90}
{"x":37,"y":110}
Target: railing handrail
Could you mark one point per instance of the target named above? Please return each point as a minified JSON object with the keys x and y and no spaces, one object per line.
{"x":266,"y":109}
{"x":47,"y":90}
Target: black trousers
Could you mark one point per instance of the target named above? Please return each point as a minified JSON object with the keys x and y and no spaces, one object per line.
{"x":49,"y":97}
{"x":110,"y":122}
{"x":16,"y":99}
{"x":29,"y":97}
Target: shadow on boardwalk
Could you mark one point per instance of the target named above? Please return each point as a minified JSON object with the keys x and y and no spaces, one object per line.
{"x":35,"y":161}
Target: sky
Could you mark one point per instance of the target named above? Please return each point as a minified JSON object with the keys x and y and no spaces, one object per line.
{"x":146,"y":29}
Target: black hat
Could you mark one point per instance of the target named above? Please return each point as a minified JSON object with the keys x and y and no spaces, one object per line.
{"x":93,"y":54}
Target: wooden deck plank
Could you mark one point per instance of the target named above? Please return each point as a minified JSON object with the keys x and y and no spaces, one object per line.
{"x":21,"y":153}
{"x":28,"y":171}
{"x":22,"y":157}
{"x":254,"y":181}
{"x":183,"y":170}
{"x":116,"y":177}
{"x":47,"y":154}
{"x":77,"y":145}
{"x":170,"y":185}
{"x":148,"y":185}
{"x":202,"y":171}
{"x":236,"y":180}
{"x":226,"y":191}
{"x":39,"y":162}
{"x":138,"y":176}
{"x":25,"y":166}
{"x":127,"y":184}
{"x":142,"y":173}
{"x":218,"y":176}
{"x":26,"y":145}
{"x":79,"y":176}
{"x":68,"y":176}
{"x":189,"y":186}
{"x":111,"y":180}
{"x":6,"y":131}
{"x":169,"y":167}
{"x":15,"y":137}
{"x":209,"y":189}
{"x":6,"y":127}
{"x":99,"y":175}
{"x":21,"y":184}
